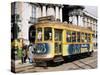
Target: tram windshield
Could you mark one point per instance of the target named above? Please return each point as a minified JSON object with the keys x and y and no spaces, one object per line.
{"x":47,"y":31}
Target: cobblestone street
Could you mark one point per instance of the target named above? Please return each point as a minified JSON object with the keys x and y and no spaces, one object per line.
{"x":83,"y":62}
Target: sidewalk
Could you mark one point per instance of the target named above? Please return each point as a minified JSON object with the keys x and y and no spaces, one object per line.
{"x":17,"y":66}
{"x":18,"y":62}
{"x":95,"y":50}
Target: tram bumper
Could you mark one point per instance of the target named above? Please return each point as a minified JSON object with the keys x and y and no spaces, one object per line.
{"x":40,"y":58}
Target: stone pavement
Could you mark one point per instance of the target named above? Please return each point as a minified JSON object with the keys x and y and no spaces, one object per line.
{"x":19,"y":67}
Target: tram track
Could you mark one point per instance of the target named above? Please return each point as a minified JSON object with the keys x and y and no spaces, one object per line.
{"x":85,"y":63}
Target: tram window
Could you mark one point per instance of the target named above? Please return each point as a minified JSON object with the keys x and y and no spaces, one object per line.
{"x":88,"y":37}
{"x":82,"y":37}
{"x":47,"y":34}
{"x":39,"y":34}
{"x":58,"y":35}
{"x":93,"y":38}
{"x":78,"y":36}
{"x":69,"y":36}
{"x":85,"y":37}
{"x":57,"y":48}
{"x":73,"y":36}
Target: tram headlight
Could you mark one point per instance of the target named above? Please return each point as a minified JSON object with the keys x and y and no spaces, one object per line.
{"x":38,"y":51}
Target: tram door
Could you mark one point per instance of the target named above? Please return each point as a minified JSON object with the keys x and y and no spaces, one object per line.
{"x":58,"y":41}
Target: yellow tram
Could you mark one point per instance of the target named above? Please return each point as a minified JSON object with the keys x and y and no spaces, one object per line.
{"x":54,"y":40}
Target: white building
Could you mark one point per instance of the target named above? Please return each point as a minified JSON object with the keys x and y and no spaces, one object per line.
{"x":76,"y":15}
{"x":91,"y":21}
{"x":26,"y":14}
{"x":29,"y":13}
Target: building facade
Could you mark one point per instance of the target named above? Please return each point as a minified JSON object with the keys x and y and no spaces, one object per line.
{"x":29,"y":13}
{"x":91,"y":22}
{"x":25,"y":14}
{"x":78,"y":16}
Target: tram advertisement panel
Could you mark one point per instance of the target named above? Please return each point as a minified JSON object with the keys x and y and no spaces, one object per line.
{"x":77,"y":48}
{"x":85,"y":47}
{"x":42,"y":48}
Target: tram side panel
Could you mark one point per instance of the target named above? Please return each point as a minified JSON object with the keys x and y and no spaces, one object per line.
{"x":47,"y":50}
{"x":64,"y":51}
{"x":70,"y":49}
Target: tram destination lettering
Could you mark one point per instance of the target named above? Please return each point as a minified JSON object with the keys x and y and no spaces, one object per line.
{"x":75,"y":48}
{"x":47,"y":18}
{"x":84,"y":45}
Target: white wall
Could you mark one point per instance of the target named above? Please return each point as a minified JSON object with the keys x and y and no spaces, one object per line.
{"x":26,"y":14}
{"x":50,"y":11}
{"x":25,"y":10}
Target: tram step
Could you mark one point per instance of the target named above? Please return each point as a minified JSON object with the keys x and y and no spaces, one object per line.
{"x":58,"y":59}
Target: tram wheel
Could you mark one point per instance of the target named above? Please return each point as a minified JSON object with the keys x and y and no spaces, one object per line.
{"x":90,"y":54}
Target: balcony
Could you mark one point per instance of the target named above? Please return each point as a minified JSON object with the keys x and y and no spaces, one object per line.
{"x":46,"y":18}
{"x":32,"y":20}
{"x":15,"y":18}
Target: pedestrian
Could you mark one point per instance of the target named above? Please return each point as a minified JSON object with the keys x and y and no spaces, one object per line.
{"x":19,"y":51}
{"x":30,"y":53}
{"x":24,"y":54}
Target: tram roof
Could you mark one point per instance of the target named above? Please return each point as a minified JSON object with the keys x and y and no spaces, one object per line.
{"x":67,"y":26}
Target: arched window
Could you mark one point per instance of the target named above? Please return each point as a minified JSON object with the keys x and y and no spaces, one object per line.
{"x":32,"y":34}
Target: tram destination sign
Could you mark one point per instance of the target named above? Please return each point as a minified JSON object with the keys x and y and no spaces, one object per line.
{"x":46,"y":18}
